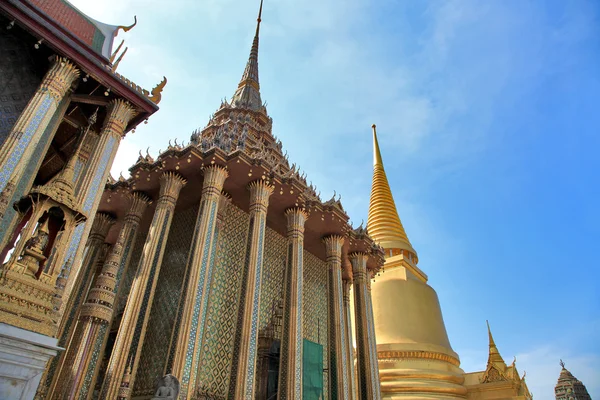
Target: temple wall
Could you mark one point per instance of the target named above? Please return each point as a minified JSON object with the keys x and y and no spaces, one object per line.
{"x":216,"y":362}
{"x":18,"y":78}
{"x":162,"y":316}
{"x":314,"y":302}
{"x":215,"y":366}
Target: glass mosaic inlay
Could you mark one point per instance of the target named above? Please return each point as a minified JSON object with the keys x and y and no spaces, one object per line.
{"x":41,"y":114}
{"x":98,"y":181}
{"x":219,"y":332}
{"x":168,"y":290}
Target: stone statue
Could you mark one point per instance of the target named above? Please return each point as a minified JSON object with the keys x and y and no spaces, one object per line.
{"x":167,"y":388}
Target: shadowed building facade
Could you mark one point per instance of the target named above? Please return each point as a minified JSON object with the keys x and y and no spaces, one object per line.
{"x":64,"y":112}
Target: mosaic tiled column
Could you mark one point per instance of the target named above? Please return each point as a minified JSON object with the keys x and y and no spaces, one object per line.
{"x":130,"y":338}
{"x":95,"y":250}
{"x":350,"y":371}
{"x":200,"y":266}
{"x":372,"y":341}
{"x":33,"y":121}
{"x":76,"y":378}
{"x":338,"y":349}
{"x":367,"y":387}
{"x":92,"y":181}
{"x":11,"y":220}
{"x":93,"y":247}
{"x":290,"y":367}
{"x":246,"y":339}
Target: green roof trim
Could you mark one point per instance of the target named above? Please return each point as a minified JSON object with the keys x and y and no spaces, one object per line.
{"x":98,"y":41}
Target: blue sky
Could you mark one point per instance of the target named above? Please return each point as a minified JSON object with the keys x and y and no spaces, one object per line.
{"x":485,"y":113}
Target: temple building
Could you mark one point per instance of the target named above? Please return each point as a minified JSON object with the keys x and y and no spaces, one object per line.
{"x":498,"y":380}
{"x":568,"y":387}
{"x":214,"y":271}
{"x":414,"y":354}
{"x":64,"y":110}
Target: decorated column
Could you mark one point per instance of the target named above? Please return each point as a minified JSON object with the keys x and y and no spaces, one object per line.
{"x":93,"y":248}
{"x":347,"y":284}
{"x":339,"y":359}
{"x":246,"y":339}
{"x":33,"y":121}
{"x":200,"y":268}
{"x":368,"y":389}
{"x":290,"y":367}
{"x":118,"y":115}
{"x":371,"y":336}
{"x":76,"y":375}
{"x":130,"y":338}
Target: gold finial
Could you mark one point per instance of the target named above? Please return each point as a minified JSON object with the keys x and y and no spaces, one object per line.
{"x":127,"y":28}
{"x":562,"y":364}
{"x":383,"y":222}
{"x":157,"y":92}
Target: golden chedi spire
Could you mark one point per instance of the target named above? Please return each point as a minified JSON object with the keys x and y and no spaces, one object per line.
{"x":247,"y":94}
{"x":383,"y":223}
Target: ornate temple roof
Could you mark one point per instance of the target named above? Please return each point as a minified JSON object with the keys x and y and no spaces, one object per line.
{"x":97,"y":35}
{"x":568,"y":387}
{"x":60,"y":28}
{"x":383,"y":222}
{"x":239,"y":136}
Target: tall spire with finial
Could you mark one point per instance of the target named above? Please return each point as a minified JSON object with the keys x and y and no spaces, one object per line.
{"x":494,"y":356}
{"x":247,"y":94}
{"x":383,"y":223}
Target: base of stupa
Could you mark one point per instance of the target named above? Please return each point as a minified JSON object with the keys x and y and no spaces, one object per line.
{"x":419,"y":371}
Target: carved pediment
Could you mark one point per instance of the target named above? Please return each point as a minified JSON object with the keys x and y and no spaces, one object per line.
{"x":493,"y":375}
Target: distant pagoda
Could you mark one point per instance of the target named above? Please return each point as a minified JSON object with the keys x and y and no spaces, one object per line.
{"x":568,"y":387}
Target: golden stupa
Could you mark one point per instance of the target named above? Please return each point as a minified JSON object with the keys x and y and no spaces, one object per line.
{"x":415,"y":358}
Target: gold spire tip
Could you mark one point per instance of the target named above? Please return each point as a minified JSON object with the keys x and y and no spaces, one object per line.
{"x":490,"y":333}
{"x":260,"y":12}
{"x":376,"y":152}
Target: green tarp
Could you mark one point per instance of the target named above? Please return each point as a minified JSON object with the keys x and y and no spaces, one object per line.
{"x":312,"y":371}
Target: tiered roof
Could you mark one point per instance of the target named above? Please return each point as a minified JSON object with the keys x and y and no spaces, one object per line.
{"x":568,"y":387}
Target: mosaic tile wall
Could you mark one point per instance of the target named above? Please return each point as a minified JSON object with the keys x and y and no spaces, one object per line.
{"x":273,"y":272}
{"x":215,"y":365}
{"x":216,"y":362}
{"x":156,"y":345}
{"x":315,"y":307}
{"x":18,"y":79}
